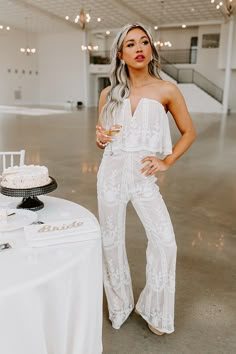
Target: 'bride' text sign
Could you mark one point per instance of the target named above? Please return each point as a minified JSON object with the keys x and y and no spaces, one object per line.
{"x":61,"y":231}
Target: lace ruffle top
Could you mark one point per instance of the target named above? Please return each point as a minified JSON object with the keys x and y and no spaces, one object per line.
{"x":147,"y":129}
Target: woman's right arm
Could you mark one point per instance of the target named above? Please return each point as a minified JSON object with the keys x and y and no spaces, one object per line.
{"x":101,"y":139}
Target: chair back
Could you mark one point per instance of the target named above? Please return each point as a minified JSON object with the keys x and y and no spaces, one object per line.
{"x":11,"y":158}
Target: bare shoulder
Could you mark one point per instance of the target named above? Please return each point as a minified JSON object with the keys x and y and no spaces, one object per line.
{"x":170,"y":92}
{"x":165,"y":92}
{"x":168,"y":87}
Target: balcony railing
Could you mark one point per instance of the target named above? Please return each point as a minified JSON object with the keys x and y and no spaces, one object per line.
{"x":100,"y":57}
{"x":192,"y":76}
{"x":179,"y":56}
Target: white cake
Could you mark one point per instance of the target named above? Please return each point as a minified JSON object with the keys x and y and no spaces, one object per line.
{"x":22,"y":177}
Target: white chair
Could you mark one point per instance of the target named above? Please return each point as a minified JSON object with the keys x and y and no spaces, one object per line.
{"x":11,"y":158}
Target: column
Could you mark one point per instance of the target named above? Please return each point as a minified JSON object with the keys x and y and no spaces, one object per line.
{"x":228,"y":65}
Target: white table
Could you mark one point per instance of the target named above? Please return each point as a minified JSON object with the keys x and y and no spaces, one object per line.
{"x":51,"y":297}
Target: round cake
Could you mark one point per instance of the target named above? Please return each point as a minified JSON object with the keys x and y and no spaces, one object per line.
{"x":22,"y":177}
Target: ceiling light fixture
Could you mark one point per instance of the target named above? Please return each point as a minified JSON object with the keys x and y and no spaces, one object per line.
{"x":7,"y":28}
{"x":161,"y":44}
{"x":83,"y":18}
{"x":89,"y":48}
{"x":27,"y":50}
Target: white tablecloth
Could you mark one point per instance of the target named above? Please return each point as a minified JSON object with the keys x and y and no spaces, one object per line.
{"x":51,"y":297}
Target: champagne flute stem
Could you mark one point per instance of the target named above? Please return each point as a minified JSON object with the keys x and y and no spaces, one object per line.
{"x":111,"y":151}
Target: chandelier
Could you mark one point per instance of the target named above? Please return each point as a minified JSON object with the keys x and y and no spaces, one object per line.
{"x":161,"y":44}
{"x":89,"y":47}
{"x":82,"y":18}
{"x":7,"y":28}
{"x":227,"y":7}
{"x":27,"y":49}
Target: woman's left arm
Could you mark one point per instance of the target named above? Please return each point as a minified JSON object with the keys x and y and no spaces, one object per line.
{"x":177,"y":107}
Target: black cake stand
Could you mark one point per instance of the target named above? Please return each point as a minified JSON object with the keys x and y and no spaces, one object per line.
{"x":30,"y":200}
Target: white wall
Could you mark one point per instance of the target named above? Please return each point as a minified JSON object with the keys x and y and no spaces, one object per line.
{"x":180,"y":38}
{"x":63,"y":68}
{"x":11,"y":58}
{"x":61,"y":65}
{"x":207,"y":58}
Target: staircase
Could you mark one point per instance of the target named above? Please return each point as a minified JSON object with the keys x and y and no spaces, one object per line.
{"x":200,"y":94}
{"x":192,"y":76}
{"x":198,"y":101}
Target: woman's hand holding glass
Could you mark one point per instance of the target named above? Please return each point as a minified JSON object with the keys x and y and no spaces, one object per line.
{"x":101,"y":136}
{"x":107,"y":135}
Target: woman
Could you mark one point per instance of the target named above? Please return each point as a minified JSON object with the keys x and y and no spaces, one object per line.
{"x":137,"y":102}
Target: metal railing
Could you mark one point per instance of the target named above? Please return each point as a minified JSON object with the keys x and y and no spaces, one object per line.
{"x":100,"y":57}
{"x":193,"y":76}
{"x":179,"y":56}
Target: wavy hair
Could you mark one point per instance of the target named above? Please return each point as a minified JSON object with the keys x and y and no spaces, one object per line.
{"x":119,"y":74}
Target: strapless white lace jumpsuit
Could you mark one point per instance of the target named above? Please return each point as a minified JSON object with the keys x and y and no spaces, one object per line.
{"x":120,"y":181}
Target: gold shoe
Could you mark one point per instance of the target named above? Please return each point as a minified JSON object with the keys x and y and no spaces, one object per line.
{"x":152,"y":329}
{"x":155,"y":331}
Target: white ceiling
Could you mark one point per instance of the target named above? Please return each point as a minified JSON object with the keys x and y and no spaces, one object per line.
{"x":49,"y":15}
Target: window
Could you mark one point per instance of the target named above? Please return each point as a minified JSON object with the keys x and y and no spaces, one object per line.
{"x":210,"y":40}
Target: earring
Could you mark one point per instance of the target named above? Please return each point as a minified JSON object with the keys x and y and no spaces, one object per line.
{"x":122,"y":62}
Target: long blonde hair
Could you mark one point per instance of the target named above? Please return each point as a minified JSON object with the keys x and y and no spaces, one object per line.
{"x":119,"y":74}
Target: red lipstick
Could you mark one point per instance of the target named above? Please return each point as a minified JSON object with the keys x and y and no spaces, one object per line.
{"x":140,"y":58}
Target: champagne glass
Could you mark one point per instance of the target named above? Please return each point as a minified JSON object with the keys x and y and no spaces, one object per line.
{"x":112,"y":132}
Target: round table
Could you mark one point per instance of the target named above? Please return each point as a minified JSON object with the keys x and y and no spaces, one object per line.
{"x":51,"y":297}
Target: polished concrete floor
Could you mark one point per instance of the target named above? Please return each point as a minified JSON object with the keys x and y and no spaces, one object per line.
{"x":200,"y":193}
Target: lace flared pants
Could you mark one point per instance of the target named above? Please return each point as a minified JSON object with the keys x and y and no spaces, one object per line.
{"x":120,"y":181}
